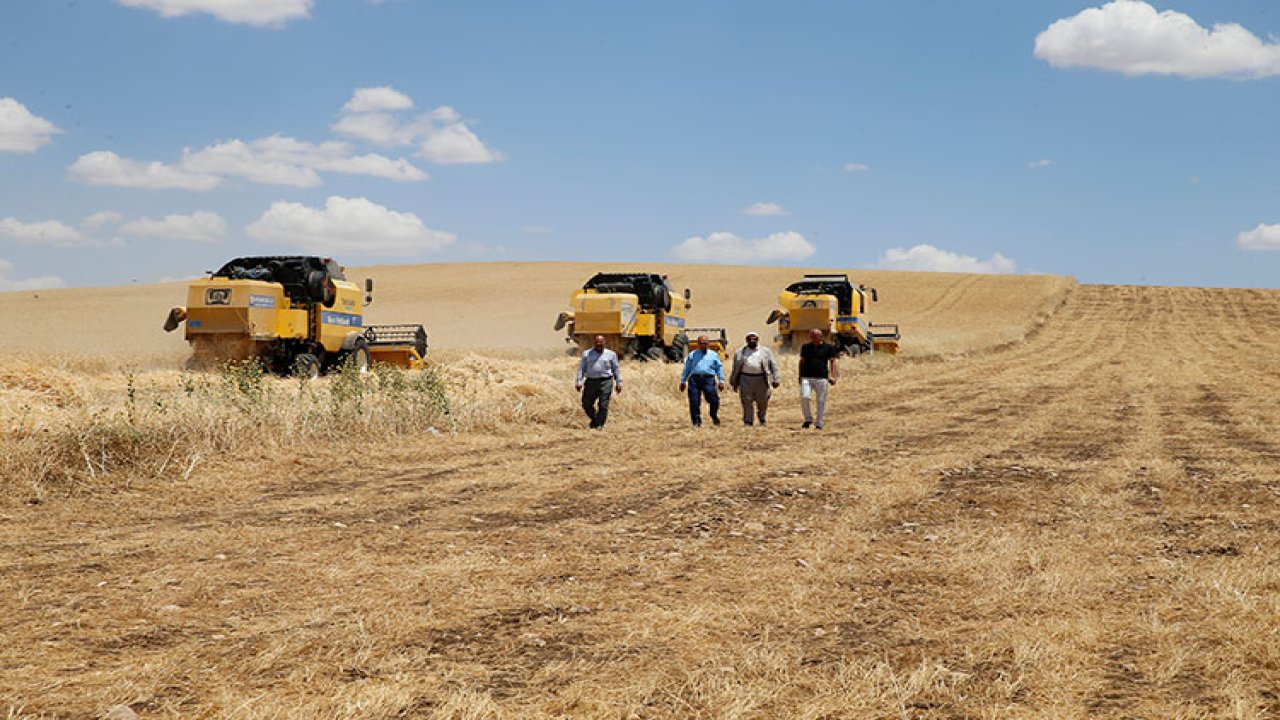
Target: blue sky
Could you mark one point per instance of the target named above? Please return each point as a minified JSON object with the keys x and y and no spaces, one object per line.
{"x":1119,"y":142}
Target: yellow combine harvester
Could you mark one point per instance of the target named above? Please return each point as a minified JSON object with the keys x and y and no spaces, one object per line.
{"x":717,"y":340}
{"x":296,"y":314}
{"x":834,"y":305}
{"x":638,"y":314}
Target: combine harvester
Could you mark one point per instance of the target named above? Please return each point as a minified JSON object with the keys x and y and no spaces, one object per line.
{"x":638,"y":314}
{"x":717,"y":340}
{"x":834,"y":305}
{"x":295,"y":314}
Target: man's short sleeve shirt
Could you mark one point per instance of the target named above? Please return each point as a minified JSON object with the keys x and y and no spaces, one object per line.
{"x":815,"y":360}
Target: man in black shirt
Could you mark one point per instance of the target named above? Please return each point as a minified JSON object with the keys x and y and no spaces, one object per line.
{"x":818,"y":371}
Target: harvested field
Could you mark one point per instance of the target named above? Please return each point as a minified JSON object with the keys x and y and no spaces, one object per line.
{"x":1059,"y":502}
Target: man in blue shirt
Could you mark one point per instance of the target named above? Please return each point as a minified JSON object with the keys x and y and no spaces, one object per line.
{"x":703,"y":375}
{"x":598,"y":376}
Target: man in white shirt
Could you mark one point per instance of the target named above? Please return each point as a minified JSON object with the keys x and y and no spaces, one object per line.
{"x":598,"y":377}
{"x":755,"y":375}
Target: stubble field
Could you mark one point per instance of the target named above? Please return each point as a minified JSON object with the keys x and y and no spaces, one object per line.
{"x":1059,"y":501}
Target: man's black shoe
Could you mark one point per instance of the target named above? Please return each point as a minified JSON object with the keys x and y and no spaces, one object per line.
{"x":806,"y":425}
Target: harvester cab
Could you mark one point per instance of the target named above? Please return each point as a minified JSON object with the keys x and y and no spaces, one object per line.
{"x":834,"y":305}
{"x":717,"y":340}
{"x":295,"y":314}
{"x":638,"y":314}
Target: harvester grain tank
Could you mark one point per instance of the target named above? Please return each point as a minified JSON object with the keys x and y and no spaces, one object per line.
{"x":837,"y":307}
{"x":638,"y":314}
{"x":296,"y":314}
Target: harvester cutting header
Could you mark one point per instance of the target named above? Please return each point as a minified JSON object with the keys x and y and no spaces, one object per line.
{"x":834,"y":305}
{"x":638,"y":314}
{"x":296,"y":314}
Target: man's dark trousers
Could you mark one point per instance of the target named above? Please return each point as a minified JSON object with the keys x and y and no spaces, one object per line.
{"x":597,"y":390}
{"x":700,"y":385}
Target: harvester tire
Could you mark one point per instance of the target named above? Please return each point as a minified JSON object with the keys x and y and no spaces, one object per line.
{"x":359,"y":358}
{"x":678,"y":348}
{"x":306,"y":365}
{"x":654,"y":354}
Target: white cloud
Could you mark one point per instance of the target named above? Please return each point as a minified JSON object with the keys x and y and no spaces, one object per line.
{"x":1263,"y":237}
{"x":765,"y":209}
{"x":928,"y":258}
{"x":455,"y":144}
{"x":102,"y":219}
{"x":274,"y":160}
{"x":1132,"y":37}
{"x":727,"y":247}
{"x":1040,"y":164}
{"x":280,"y":160}
{"x":52,"y":233}
{"x":379,"y":128}
{"x":253,"y":162}
{"x":856,"y":167}
{"x":20,"y":131}
{"x":8,"y":284}
{"x":350,"y":226}
{"x":197,"y":227}
{"x":261,"y":13}
{"x":535,"y":230}
{"x":441,"y":135}
{"x":107,"y":168}
{"x":376,"y":99}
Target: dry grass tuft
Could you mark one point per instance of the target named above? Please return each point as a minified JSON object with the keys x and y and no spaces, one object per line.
{"x":68,"y":433}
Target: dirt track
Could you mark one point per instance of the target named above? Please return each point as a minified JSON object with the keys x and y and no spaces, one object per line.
{"x":1083,"y":524}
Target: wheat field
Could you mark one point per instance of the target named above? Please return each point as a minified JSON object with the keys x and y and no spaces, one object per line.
{"x":1059,"y":501}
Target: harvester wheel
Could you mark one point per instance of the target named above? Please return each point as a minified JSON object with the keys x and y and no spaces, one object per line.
{"x":653,"y":354}
{"x":678,"y":348}
{"x":359,"y":358}
{"x":306,"y":365}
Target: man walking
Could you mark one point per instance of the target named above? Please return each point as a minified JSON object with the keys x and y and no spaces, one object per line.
{"x":703,"y":375}
{"x":754,"y":376}
{"x":817,"y":372}
{"x":597,"y":378}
